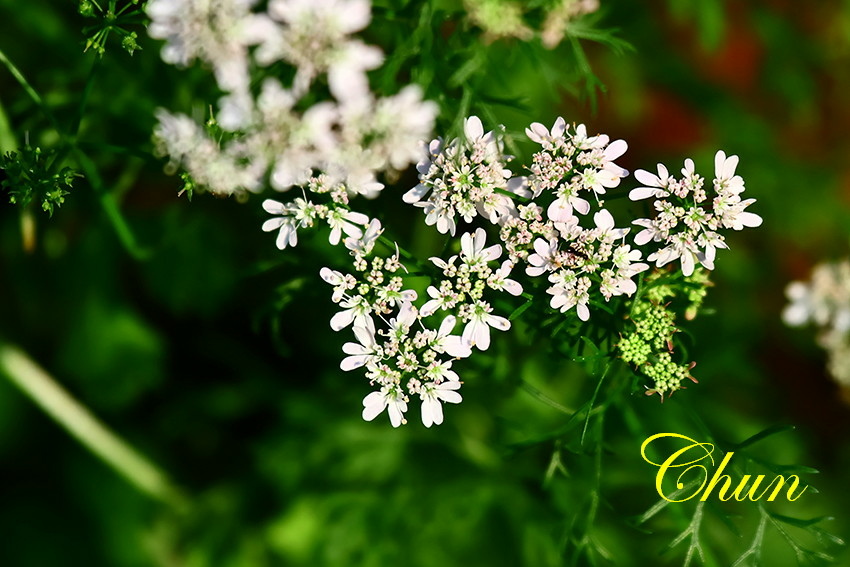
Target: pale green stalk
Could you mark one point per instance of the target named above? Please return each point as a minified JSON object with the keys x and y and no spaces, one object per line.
{"x":87,"y":429}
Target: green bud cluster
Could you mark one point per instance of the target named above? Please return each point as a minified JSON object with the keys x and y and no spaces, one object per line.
{"x":634,"y":349}
{"x":112,"y":17}
{"x":666,"y":374}
{"x":649,"y":346}
{"x":654,"y":324}
{"x":29,"y":178}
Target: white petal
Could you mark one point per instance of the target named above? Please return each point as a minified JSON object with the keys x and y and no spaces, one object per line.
{"x":616,"y":149}
{"x":603,"y":219}
{"x":342,"y":319}
{"x":583,"y":312}
{"x":640,"y":193}
{"x":647,"y":178}
{"x":750,"y":220}
{"x":447,"y":326}
{"x":455,"y":346}
{"x":559,"y":128}
{"x":274,"y":207}
{"x":560,"y":210}
{"x":395,"y":409}
{"x":512,"y":287}
{"x":492,"y":253}
{"x":353,"y":362}
{"x":373,"y":405}
{"x":415,"y":194}
{"x":482,"y":337}
{"x":273,"y":224}
{"x":499,"y":323}
{"x":473,"y":128}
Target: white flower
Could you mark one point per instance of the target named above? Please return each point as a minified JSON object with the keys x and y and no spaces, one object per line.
{"x":438,"y":213}
{"x":561,"y":209}
{"x":315,"y":38}
{"x":543,"y":259}
{"x":569,"y":292}
{"x":400,"y":325}
{"x":439,"y":300}
{"x":336,"y":279}
{"x":221,"y":171}
{"x":432,"y":394}
{"x":453,"y":345}
{"x":681,"y":247}
{"x":608,"y":175}
{"x":364,"y":352}
{"x":215,"y":31}
{"x":537,"y":132}
{"x":287,"y":225}
{"x":357,"y":310}
{"x":724,"y":173}
{"x":627,"y":261}
{"x":605,"y":226}
{"x":341,"y":220}
{"x":472,"y":248}
{"x":500,"y":281}
{"x":477,"y":330}
{"x":388,"y":397}
{"x":399,"y":124}
{"x":655,"y":186}
{"x":362,"y":245}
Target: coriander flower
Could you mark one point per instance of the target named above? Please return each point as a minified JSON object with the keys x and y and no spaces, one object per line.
{"x":466,"y":178}
{"x":688,"y":220}
{"x":472,"y":248}
{"x":357,"y":310}
{"x":364,"y":352}
{"x":362,"y":245}
{"x":543,"y":260}
{"x":479,"y":319}
{"x":453,"y":345}
{"x":216,"y":31}
{"x":287,"y":235}
{"x":432,"y":394}
{"x":389,"y":398}
{"x":349,"y":222}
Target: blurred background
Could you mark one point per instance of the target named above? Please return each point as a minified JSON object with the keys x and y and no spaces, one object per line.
{"x":208,"y":349}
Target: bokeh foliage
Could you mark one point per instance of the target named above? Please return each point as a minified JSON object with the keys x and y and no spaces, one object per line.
{"x":208,"y":350}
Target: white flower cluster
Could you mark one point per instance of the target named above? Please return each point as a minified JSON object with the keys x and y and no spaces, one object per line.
{"x":471,"y":177}
{"x":686,"y":222}
{"x":825,"y":301}
{"x":404,"y":356}
{"x":361,"y":233}
{"x":273,"y":132}
{"x":463,"y":178}
{"x":577,"y":260}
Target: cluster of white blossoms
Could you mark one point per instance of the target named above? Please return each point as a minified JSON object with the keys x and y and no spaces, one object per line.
{"x":687,"y":218}
{"x":270,"y":133}
{"x":577,"y":260}
{"x":361,"y":233}
{"x":464,"y":178}
{"x":328,"y":134}
{"x":470,"y":177}
{"x":825,"y":301}
{"x":403,"y":356}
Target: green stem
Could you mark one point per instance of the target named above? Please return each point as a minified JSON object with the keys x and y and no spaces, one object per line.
{"x":84,"y":100}
{"x":80,"y":423}
{"x":107,"y":201}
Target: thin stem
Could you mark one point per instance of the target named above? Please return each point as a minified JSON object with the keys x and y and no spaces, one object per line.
{"x":107,"y":200}
{"x":42,"y":389}
{"x":84,"y":100}
{"x":33,"y":94}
